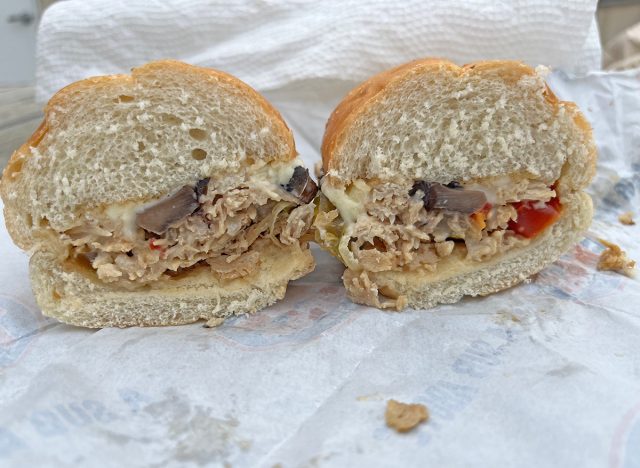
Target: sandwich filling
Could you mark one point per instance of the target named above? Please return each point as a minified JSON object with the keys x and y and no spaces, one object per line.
{"x":223,"y":224}
{"x":377,"y":227}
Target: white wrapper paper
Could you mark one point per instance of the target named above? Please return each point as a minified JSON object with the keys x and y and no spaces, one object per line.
{"x":544,"y":374}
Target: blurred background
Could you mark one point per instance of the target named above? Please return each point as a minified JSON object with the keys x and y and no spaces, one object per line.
{"x":618,"y":23}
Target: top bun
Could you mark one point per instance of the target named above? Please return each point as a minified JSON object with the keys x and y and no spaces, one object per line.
{"x":431,"y":119}
{"x":117,"y":138}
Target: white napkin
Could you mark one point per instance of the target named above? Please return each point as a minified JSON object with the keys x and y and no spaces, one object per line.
{"x":271,"y":43}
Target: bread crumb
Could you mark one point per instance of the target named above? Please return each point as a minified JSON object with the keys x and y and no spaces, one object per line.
{"x":214,"y":322}
{"x":403,"y":416}
{"x":613,"y":258}
{"x":627,"y":218}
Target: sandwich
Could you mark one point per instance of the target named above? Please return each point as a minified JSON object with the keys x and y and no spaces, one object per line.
{"x":443,"y":181}
{"x":163,"y":197}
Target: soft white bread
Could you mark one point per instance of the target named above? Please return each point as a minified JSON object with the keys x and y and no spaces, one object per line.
{"x":433,"y":120}
{"x":71,"y":292}
{"x":137,"y":137}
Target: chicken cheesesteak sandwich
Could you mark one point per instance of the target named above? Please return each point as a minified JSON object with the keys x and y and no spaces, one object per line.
{"x":164,"y":197}
{"x":443,"y":181}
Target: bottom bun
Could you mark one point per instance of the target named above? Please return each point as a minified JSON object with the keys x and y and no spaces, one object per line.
{"x":457,"y":277}
{"x":73,"y":294}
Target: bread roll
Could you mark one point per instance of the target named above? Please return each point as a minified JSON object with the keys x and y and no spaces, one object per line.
{"x":444,"y":181}
{"x":162,"y":197}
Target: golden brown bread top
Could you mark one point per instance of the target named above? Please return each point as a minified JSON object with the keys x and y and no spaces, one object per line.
{"x":370,"y":91}
{"x":15,"y":163}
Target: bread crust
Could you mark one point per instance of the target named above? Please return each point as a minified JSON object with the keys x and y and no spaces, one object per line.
{"x":368,"y":93}
{"x":18,"y":230}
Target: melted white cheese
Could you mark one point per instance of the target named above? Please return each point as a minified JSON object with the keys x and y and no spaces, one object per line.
{"x":269,"y":177}
{"x":125,"y":213}
{"x":497,"y":183}
{"x":349,"y":202}
{"x":277,"y":173}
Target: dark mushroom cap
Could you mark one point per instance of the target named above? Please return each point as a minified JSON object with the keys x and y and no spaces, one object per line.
{"x":159,"y":216}
{"x":301,"y":185}
{"x":438,"y":196}
{"x":201,"y":187}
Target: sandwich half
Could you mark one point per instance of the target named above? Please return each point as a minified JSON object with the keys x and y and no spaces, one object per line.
{"x":163,"y":197}
{"x":444,"y":181}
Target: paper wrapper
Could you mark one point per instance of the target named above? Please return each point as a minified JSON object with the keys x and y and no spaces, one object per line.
{"x":544,"y":374}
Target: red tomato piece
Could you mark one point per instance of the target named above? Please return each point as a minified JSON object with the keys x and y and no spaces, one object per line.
{"x":485,"y":209}
{"x":153,"y":246}
{"x":535,"y":216}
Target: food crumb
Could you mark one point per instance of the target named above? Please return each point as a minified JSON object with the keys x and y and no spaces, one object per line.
{"x":613,"y":258}
{"x":403,"y":416}
{"x":627,"y":218}
{"x":214,"y":322}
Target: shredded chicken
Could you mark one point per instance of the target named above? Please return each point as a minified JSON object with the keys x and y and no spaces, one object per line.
{"x":297,"y":224}
{"x":613,"y":258}
{"x":407,"y":236}
{"x":365,"y":291}
{"x":397,"y":233}
{"x":224,"y":232}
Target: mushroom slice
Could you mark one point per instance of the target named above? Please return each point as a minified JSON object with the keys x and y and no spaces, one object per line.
{"x":202,"y":187}
{"x":159,"y":216}
{"x":442,"y":197}
{"x":301,"y":185}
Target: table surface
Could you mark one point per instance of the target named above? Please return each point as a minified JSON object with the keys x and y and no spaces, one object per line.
{"x":19,"y":117}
